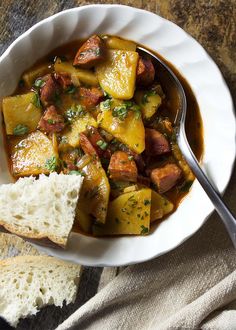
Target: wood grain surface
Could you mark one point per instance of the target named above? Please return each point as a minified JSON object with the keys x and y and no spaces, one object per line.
{"x":211,"y":22}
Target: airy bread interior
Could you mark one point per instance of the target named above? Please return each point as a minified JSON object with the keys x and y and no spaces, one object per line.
{"x":31,"y":282}
{"x":40,"y":208}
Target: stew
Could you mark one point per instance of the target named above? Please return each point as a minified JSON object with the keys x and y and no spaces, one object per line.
{"x":97,"y":108}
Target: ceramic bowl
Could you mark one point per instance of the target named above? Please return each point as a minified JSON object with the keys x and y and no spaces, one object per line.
{"x":207,"y":84}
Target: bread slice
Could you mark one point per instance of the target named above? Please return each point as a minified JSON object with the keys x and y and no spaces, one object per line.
{"x":42,"y":209}
{"x":28,"y":283}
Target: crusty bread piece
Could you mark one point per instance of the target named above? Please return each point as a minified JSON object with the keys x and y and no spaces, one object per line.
{"x":28,"y":283}
{"x":41,"y":208}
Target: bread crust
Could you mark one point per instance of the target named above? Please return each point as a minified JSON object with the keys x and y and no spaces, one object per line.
{"x":49,"y":241}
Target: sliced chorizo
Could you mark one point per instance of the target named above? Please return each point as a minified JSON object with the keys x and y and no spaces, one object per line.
{"x":166,"y":177}
{"x":90,"y":53}
{"x":63,"y":79}
{"x":86,"y":145}
{"x":51,"y":121}
{"x":90,"y":97}
{"x":49,"y":91}
{"x":145,"y":73}
{"x":122,"y":168}
{"x":156,"y":142}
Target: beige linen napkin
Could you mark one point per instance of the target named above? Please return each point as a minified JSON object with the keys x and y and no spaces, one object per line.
{"x":193,"y":287}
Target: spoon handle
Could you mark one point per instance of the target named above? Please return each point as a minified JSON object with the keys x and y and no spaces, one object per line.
{"x":223,"y":211}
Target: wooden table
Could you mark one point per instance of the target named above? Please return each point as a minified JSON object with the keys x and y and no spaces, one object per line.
{"x":210,"y":22}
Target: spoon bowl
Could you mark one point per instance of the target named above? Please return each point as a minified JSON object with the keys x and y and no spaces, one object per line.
{"x":168,"y":77}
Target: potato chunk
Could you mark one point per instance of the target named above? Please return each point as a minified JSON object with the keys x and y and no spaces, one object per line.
{"x":21,"y":110}
{"x":130,"y":131}
{"x":128,"y":214}
{"x":94,"y":195}
{"x":70,"y":137}
{"x":117,"y":74}
{"x":30,"y":76}
{"x":160,"y":206}
{"x":85,"y":76}
{"x":33,"y":155}
{"x":118,"y":43}
{"x":148,"y":101}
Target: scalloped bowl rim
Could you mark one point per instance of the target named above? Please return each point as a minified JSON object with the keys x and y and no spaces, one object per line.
{"x":129,"y":250}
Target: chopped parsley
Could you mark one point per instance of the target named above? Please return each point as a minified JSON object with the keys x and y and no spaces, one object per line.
{"x":130,"y":157}
{"x":36,"y":100}
{"x":105,"y":105}
{"x":20,"y":129}
{"x":137,"y":111}
{"x":51,"y":121}
{"x":39,"y":83}
{"x":102,"y":144}
{"x":120,"y":112}
{"x":144,"y":230}
{"x":147,"y":202}
{"x":51,"y":164}
{"x":76,"y":111}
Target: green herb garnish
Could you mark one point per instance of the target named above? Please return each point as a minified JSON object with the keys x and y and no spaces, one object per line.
{"x":120,"y":112}
{"x":136,"y":109}
{"x":36,"y":100}
{"x":144,"y":230}
{"x":76,"y":111}
{"x":51,"y":164}
{"x":130,"y":157}
{"x":102,"y":144}
{"x":20,"y":129}
{"x":51,"y":121}
{"x":105,"y":105}
{"x":39,"y":83}
{"x":146,"y":202}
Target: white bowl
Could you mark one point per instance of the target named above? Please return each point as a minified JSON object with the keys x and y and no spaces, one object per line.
{"x":210,"y":90}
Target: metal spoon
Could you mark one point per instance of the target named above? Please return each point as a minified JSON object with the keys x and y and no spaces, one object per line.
{"x":170,"y":78}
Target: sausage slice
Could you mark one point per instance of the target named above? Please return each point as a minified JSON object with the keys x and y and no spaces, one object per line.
{"x":90,"y":97}
{"x":49,"y":91}
{"x":166,"y":177}
{"x":156,"y":142}
{"x":121,"y":168}
{"x":51,"y":121}
{"x":145,"y":73}
{"x":90,"y":53}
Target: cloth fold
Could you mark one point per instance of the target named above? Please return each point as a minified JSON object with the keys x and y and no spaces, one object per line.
{"x":192,"y":287}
